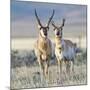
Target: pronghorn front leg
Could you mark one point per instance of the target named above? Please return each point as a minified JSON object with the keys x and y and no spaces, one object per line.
{"x":46,"y":70}
{"x":41,"y":68}
{"x":60,"y":68}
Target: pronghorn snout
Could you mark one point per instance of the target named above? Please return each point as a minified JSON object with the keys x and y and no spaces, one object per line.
{"x":58,"y":33}
{"x":45,"y":33}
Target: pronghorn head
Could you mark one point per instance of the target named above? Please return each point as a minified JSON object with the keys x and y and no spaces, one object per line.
{"x":43,"y":29}
{"x":58,"y":29}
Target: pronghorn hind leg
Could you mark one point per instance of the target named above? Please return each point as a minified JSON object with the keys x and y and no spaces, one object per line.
{"x":71,"y":68}
{"x":67,"y":68}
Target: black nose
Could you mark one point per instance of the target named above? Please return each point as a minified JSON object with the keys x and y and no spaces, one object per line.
{"x":57,"y":33}
{"x":45,"y":34}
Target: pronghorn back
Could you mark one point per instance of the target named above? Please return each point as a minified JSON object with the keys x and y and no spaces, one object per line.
{"x":68,"y":42}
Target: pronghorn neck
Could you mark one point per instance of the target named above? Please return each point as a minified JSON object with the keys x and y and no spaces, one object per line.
{"x":42,"y":38}
{"x":43,"y":42}
{"x":44,"y":45}
{"x":58,"y":41}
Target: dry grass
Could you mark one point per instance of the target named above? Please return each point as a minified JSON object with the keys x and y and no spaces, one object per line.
{"x":29,"y":77}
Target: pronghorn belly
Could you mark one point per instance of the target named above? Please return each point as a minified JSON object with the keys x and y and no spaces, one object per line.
{"x":69,"y":53}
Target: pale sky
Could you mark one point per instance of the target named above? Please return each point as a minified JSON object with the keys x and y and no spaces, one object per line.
{"x":24,"y":24}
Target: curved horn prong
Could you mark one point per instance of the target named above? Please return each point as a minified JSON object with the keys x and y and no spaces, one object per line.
{"x":62,"y":23}
{"x":50,"y":18}
{"x":37,"y":18}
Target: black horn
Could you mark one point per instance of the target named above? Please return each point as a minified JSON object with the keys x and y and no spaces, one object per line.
{"x":53,"y":24}
{"x":50,"y":18}
{"x":62,"y":23}
{"x":37,"y":18}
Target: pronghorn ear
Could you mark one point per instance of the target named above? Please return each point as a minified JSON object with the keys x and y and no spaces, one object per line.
{"x":39,"y":26}
{"x":54,"y":29}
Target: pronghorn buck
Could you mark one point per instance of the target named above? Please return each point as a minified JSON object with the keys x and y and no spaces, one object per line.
{"x":43,"y":48}
{"x":64,"y":50}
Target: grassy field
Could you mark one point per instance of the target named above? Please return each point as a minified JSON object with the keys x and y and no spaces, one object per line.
{"x":28,"y":76}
